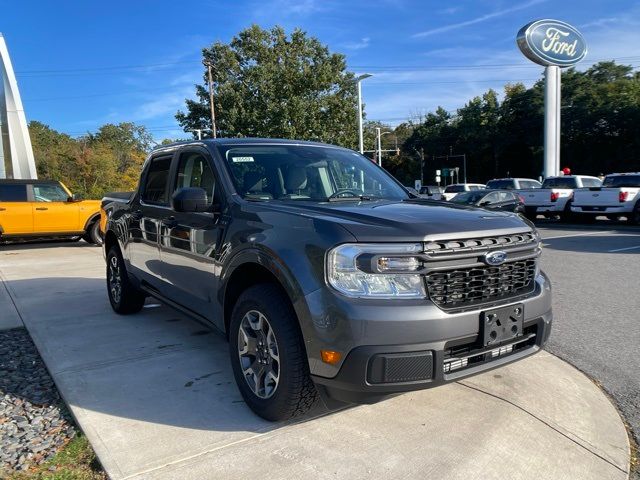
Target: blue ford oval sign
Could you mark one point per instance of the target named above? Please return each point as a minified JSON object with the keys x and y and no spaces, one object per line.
{"x":552,"y":42}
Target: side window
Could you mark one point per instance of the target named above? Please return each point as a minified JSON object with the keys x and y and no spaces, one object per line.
{"x":591,"y":182}
{"x":194,"y":171}
{"x":156,"y":182}
{"x":491,"y":198}
{"x":13,"y":193}
{"x":49,"y":193}
{"x":529,"y":184}
{"x":505,"y":196}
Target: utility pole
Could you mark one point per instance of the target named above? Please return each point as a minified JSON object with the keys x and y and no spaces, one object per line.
{"x":213,"y":112}
{"x":379,"y":144}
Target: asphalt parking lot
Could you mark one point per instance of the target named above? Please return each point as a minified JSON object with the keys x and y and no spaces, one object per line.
{"x":595,"y":272}
{"x":154,"y":394}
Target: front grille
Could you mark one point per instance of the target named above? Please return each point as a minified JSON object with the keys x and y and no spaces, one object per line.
{"x":462,"y":287}
{"x":436,"y":248}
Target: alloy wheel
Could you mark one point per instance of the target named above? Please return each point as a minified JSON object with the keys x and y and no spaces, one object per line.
{"x":259,"y":354}
{"x":115,"y":280}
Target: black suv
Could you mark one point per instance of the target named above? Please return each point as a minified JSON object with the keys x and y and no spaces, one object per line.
{"x":328,"y":278}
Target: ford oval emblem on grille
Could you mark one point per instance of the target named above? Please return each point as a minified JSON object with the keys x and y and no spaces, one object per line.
{"x":495,"y":258}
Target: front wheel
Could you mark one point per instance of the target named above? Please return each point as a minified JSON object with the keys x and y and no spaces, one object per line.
{"x":124,"y":297}
{"x":269,"y":361}
{"x":93,"y":234}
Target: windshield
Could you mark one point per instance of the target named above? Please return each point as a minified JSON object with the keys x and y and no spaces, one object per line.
{"x":468,"y":198}
{"x":306,"y":172}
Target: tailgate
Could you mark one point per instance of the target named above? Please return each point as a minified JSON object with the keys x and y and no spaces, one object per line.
{"x":597,"y":196}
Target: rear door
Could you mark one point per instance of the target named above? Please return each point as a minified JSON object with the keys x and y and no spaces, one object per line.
{"x":148,"y":211}
{"x":16,"y":215}
{"x":190,"y":241}
{"x":52,"y":210}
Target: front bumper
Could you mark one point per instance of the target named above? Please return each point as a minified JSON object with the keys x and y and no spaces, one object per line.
{"x":426,"y":346}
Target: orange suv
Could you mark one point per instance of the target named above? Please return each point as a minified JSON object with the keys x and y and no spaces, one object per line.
{"x":46,"y":208}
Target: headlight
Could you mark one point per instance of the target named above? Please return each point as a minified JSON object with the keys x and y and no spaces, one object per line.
{"x":376,"y":270}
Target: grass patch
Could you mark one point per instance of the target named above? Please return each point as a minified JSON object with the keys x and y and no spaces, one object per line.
{"x":76,"y":461}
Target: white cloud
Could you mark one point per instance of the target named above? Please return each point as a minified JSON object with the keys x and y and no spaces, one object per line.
{"x":359,"y":45}
{"x":480,"y":19}
{"x":449,"y":11}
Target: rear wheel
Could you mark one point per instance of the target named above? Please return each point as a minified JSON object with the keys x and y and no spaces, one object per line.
{"x":124,"y":297}
{"x":269,"y":361}
{"x":567,"y":215}
{"x":634,"y":217}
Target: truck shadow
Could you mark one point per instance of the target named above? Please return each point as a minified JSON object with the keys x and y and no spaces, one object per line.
{"x":157,"y":366}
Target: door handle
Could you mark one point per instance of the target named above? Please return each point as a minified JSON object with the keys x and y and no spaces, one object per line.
{"x":170,"y":222}
{"x":42,"y":208}
{"x":2,"y":209}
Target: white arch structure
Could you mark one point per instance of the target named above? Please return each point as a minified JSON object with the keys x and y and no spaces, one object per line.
{"x":16,"y":153}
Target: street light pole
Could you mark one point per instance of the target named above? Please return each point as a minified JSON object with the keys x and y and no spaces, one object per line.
{"x":360,"y":132}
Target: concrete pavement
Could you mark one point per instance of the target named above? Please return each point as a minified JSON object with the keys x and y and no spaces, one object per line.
{"x":155,"y":396}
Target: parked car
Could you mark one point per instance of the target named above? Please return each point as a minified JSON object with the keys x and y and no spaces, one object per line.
{"x":44,"y":208}
{"x":492,"y":200}
{"x":434,"y":192}
{"x":554,"y":198}
{"x":619,"y":196}
{"x":513,"y":183}
{"x":452,"y":190}
{"x":329,"y":280}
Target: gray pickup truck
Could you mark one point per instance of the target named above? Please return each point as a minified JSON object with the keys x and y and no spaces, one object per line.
{"x":328,"y":278}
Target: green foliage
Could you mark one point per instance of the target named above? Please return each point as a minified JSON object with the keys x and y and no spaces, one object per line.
{"x":600,"y":127}
{"x":92,"y":165}
{"x":270,"y":84}
{"x":76,"y":461}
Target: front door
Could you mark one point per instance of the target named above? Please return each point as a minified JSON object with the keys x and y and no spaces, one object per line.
{"x":52,"y":210}
{"x":16,"y":215}
{"x":148,"y":211}
{"x":189,"y":241}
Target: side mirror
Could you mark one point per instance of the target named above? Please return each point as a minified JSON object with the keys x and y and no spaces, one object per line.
{"x":74,"y":198}
{"x":190,"y":199}
{"x":484,"y":204}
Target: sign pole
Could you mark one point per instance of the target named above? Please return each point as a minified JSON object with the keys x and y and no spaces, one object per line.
{"x":554,"y":44}
{"x":551,"y":121}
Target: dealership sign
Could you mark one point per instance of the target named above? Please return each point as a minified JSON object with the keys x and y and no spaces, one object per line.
{"x":552,"y":42}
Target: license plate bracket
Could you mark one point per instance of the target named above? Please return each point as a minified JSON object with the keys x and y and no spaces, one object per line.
{"x":500,"y":324}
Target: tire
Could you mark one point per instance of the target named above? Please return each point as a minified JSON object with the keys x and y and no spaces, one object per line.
{"x":93,"y":234}
{"x":567,"y":216}
{"x":634,"y":217}
{"x":123,"y":296}
{"x":264,"y":329}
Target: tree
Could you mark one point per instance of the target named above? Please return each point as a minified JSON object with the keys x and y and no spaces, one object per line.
{"x":92,"y":165}
{"x":269,"y":84}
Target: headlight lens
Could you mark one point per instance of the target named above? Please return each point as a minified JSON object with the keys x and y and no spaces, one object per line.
{"x":376,"y":270}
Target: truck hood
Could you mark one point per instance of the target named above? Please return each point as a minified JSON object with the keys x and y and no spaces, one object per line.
{"x":384,"y":221}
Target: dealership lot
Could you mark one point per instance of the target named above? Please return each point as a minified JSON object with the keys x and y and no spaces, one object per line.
{"x":155,"y":395}
{"x":596,"y":278}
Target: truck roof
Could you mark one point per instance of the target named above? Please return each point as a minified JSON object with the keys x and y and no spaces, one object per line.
{"x":241,"y":141}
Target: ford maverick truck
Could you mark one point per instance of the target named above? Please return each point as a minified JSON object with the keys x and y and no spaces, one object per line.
{"x":328,"y":278}
{"x":44,"y":208}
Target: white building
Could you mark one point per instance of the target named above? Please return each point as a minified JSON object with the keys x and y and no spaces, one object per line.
{"x":16,"y":154}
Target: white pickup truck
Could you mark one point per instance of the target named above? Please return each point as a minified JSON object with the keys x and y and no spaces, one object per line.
{"x":619,"y":196}
{"x":452,"y":190}
{"x":554,"y":197}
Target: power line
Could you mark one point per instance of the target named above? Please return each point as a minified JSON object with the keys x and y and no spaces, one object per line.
{"x":121,"y":68}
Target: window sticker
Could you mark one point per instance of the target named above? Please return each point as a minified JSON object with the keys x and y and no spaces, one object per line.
{"x":242,"y":159}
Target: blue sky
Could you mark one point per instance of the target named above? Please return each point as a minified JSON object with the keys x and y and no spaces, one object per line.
{"x":81,"y":64}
